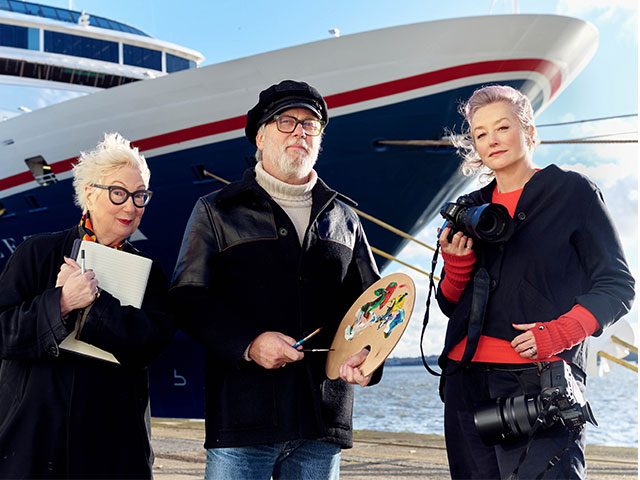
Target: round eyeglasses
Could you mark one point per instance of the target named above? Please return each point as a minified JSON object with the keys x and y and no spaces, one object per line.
{"x":119,"y":195}
{"x":287,"y":124}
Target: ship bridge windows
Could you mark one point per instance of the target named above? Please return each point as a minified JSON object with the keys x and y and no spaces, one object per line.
{"x":41,"y":171}
{"x":142,"y":57}
{"x":77,"y":46}
{"x":19,"y":37}
{"x":64,"y":15}
{"x":176,"y":64}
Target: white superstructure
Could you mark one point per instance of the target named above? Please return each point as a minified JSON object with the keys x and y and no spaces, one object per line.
{"x":41,"y":44}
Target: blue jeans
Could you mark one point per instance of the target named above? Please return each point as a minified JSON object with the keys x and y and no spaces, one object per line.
{"x":296,"y":459}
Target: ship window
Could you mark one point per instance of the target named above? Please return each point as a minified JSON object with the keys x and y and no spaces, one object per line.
{"x":115,"y":26}
{"x":4,"y":5}
{"x":33,"y":9}
{"x":18,"y":7}
{"x":78,"y":46}
{"x":64,"y":15}
{"x":142,"y":57}
{"x":98,"y":22}
{"x":34,"y":39}
{"x":21,"y":68}
{"x":49,"y":12}
{"x":12,"y":36}
{"x":41,"y":171}
{"x":175,"y":64}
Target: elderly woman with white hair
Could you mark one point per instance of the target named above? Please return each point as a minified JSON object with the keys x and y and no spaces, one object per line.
{"x":64,"y":415}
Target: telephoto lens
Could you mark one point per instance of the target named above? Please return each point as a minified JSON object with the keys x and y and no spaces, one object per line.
{"x":506,"y":418}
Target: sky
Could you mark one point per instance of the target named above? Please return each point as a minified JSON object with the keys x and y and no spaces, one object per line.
{"x":228,"y":29}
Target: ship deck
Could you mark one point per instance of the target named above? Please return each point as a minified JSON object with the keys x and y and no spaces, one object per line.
{"x":383,"y":455}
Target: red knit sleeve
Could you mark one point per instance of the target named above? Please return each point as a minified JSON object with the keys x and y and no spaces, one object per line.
{"x":564,"y":332}
{"x":457,"y":273}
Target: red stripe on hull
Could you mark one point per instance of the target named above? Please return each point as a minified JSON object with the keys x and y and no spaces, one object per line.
{"x":381,"y":90}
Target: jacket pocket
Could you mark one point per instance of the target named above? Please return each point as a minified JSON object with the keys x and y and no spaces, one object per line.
{"x":335,"y":225}
{"x":337,"y":404}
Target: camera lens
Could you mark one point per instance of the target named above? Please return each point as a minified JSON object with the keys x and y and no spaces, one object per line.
{"x":506,"y":418}
{"x":489,"y":222}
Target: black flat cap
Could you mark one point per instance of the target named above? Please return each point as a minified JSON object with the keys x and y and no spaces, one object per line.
{"x":277,"y":98}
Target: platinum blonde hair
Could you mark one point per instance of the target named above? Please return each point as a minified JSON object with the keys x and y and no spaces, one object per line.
{"x":112,"y":153}
{"x":472,"y":163}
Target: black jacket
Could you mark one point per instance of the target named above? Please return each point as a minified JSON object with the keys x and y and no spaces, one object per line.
{"x":63,"y":415}
{"x":241,"y":272}
{"x":565,"y":251}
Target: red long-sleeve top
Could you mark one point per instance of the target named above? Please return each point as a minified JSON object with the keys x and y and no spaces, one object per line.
{"x":551,"y":337}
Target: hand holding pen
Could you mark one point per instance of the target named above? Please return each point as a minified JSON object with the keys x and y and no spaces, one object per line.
{"x":78,"y":289}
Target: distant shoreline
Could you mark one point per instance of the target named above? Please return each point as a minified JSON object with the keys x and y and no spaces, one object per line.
{"x":433,"y":360}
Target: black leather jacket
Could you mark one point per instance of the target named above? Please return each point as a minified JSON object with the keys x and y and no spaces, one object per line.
{"x":241,"y":271}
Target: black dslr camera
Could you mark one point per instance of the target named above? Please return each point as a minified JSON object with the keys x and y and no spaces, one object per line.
{"x":490,"y":222}
{"x":503,"y":419}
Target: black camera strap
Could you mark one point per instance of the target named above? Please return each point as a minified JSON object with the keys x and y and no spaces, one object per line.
{"x":539,"y":422}
{"x":425,"y":322}
{"x":555,"y":458}
{"x":479,"y":300}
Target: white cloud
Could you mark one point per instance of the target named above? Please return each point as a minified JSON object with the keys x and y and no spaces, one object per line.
{"x":624,"y":12}
{"x":606,"y":9}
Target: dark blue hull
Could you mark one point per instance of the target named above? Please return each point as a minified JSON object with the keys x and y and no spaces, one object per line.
{"x":401,"y":185}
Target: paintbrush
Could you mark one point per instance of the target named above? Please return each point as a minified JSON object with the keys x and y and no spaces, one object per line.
{"x":300,"y":342}
{"x":317,"y":350}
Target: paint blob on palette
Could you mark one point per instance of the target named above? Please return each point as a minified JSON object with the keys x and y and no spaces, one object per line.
{"x":376,"y":321}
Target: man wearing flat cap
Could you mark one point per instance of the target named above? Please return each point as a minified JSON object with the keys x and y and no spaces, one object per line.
{"x":265,"y":262}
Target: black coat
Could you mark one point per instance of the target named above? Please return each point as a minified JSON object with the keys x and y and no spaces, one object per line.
{"x":241,"y":272}
{"x":565,"y":251}
{"x":63,"y":415}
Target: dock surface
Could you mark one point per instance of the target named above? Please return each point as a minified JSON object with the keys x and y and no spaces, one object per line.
{"x":180,"y":455}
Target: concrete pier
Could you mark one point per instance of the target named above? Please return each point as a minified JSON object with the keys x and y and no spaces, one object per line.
{"x":381,"y":455}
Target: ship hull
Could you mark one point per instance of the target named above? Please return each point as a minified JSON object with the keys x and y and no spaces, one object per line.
{"x":402,"y":83}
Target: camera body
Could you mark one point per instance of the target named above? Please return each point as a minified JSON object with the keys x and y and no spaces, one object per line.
{"x":504,"y":419}
{"x":490,"y":222}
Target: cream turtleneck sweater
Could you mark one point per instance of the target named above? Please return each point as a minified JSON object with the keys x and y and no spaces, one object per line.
{"x":295,"y":200}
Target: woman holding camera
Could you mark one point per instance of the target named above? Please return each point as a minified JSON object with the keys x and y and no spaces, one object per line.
{"x":531,"y":299}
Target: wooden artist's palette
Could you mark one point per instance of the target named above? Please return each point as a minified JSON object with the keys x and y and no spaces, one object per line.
{"x":376,"y":320}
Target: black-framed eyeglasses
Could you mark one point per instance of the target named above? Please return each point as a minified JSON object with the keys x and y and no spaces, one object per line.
{"x":287,"y":124}
{"x":119,"y":195}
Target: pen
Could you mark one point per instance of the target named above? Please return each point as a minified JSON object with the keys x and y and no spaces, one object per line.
{"x":300,"y":342}
{"x":82,"y":266}
{"x":317,"y":350}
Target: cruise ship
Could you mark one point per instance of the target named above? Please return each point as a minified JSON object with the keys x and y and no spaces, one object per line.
{"x":383,"y":86}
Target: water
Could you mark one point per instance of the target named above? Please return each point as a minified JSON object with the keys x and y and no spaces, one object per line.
{"x":406,"y":400}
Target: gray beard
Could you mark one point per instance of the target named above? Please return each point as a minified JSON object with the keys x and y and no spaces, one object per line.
{"x":297,"y":165}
